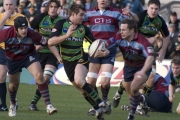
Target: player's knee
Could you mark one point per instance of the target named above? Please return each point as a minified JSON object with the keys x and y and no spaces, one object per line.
{"x":49,"y":72}
{"x":38,"y":77}
{"x":79,"y":82}
{"x":92,"y":77}
{"x":107,"y":75}
{"x":105,"y":78}
{"x":13,"y":87}
{"x":134,"y":90}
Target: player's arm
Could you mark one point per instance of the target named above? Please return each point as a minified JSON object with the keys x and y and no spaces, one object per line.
{"x":56,"y":53}
{"x":111,"y":42}
{"x":37,"y":38}
{"x":36,"y":21}
{"x":88,"y":35}
{"x":4,"y":34}
{"x":171,"y":87}
{"x":127,"y":11}
{"x":56,"y":37}
{"x":148,"y":52}
{"x":165,"y":33}
{"x":171,"y":92}
{"x":6,"y":16}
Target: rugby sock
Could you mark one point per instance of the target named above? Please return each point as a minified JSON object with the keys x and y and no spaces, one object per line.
{"x":94,"y":105}
{"x":12,"y":95}
{"x":3,"y":91}
{"x":105,"y":92}
{"x":134,"y":102}
{"x":43,"y":89}
{"x":121,"y":88}
{"x":36,"y":97}
{"x":147,"y":90}
{"x":91,"y":93}
{"x":95,"y":88}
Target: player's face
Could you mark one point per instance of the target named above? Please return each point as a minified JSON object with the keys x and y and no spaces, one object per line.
{"x":126,"y":33}
{"x":22,"y":31}
{"x":9,"y":5}
{"x":78,"y":18}
{"x":153,"y":10}
{"x":175,"y":69}
{"x":102,"y":4}
{"x":53,"y":9}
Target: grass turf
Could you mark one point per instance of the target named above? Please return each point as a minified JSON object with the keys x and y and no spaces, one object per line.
{"x":72,"y":106}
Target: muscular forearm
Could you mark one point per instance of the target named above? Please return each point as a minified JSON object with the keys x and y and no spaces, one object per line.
{"x":57,"y":40}
{"x":171,"y":90}
{"x":165,"y":43}
{"x":148,"y":63}
{"x":134,"y":16}
{"x":54,"y":51}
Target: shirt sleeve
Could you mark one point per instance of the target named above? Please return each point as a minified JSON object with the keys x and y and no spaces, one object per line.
{"x":57,"y":30}
{"x":164,"y":29}
{"x":36,"y":21}
{"x":37,"y":38}
{"x":6,"y":33}
{"x":147,"y":48}
{"x":141,"y":17}
{"x":88,"y":35}
{"x":113,"y":41}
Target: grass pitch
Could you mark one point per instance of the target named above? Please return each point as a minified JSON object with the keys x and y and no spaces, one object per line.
{"x":72,"y":106}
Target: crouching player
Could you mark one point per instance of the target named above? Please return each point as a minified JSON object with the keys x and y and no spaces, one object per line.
{"x":20,"y":52}
{"x":138,"y":55}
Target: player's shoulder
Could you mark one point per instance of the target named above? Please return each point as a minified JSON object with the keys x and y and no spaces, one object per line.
{"x":162,"y":20}
{"x":114,"y":9}
{"x":60,"y":22}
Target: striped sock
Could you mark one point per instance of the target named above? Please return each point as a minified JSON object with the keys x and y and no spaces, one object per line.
{"x":105,"y":92}
{"x":36,"y":97}
{"x":121,"y":88}
{"x":134,"y":102}
{"x":91,"y":93}
{"x":12,"y":95}
{"x":95,"y":88}
{"x":43,"y":89}
{"x":94,"y":104}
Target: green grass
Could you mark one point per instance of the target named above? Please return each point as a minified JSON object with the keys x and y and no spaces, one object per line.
{"x":72,"y":106}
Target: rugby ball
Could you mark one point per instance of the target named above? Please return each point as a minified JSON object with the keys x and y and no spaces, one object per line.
{"x":97,"y":45}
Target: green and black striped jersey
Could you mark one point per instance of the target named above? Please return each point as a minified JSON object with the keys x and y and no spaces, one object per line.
{"x":72,"y":48}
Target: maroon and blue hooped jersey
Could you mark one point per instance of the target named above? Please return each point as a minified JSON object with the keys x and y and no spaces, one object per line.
{"x":134,"y":52}
{"x":161,"y":85}
{"x":105,"y":25}
{"x":18,"y":49}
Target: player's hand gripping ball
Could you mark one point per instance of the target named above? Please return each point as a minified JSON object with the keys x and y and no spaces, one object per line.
{"x":97,"y":45}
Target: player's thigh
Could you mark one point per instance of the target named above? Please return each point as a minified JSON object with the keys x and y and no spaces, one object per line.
{"x":3,"y":66}
{"x":35,"y":69}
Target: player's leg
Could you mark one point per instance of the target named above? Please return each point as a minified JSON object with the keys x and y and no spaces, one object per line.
{"x":3,"y":73}
{"x":158,"y":102}
{"x":89,"y":93}
{"x":136,"y":97}
{"x":49,"y":64}
{"x":14,"y":80}
{"x":92,"y":78}
{"x":124,"y":85}
{"x":34,"y":68}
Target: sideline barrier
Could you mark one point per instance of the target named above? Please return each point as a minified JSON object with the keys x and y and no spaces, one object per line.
{"x":162,"y":68}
